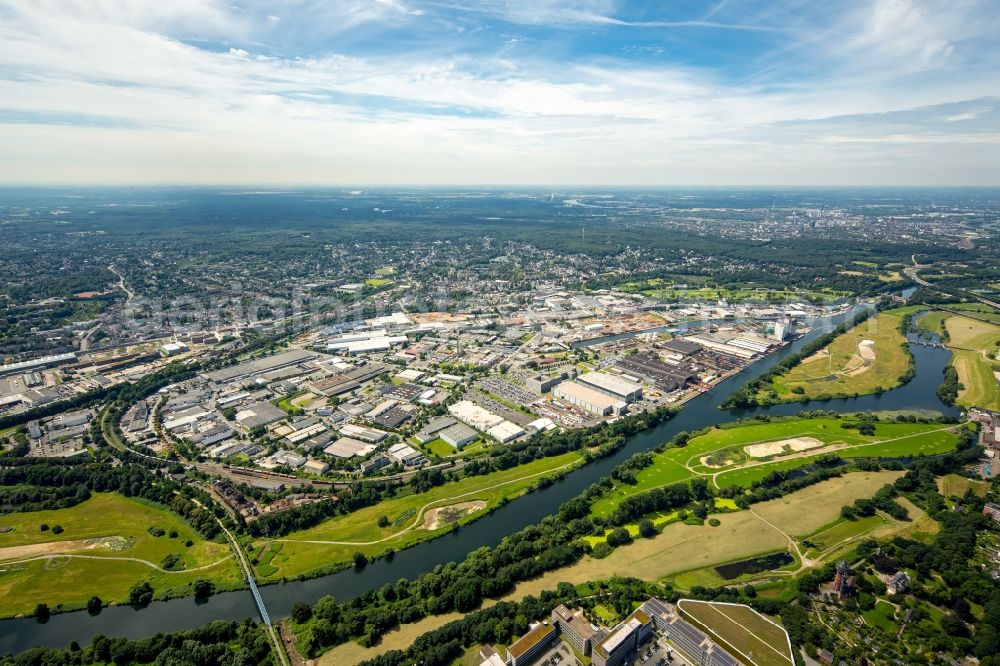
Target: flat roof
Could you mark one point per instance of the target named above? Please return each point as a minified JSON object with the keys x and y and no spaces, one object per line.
{"x":586,"y":394}
{"x":608,"y":382}
{"x":531,"y":639}
{"x":624,"y":630}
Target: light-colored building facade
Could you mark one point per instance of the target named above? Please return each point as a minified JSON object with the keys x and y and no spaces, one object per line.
{"x":588,"y":399}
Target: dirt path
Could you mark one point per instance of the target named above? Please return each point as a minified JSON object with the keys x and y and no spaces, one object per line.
{"x":149,"y":564}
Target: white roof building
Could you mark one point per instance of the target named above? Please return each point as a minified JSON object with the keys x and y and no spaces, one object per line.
{"x":473,"y":415}
{"x":505,"y":431}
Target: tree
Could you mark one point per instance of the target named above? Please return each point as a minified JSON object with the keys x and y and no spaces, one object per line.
{"x":383,"y":521}
{"x":619,"y":537}
{"x":647,"y":529}
{"x":360,"y":561}
{"x":141,"y":594}
{"x":202,"y":588}
{"x":94,"y":605}
{"x":301,"y":612}
{"x":42,"y":611}
{"x":57,"y":529}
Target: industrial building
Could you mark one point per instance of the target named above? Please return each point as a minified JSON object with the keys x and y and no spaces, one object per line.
{"x":260,"y":414}
{"x":262,"y":365}
{"x":588,"y":399}
{"x":623,"y":640}
{"x":473,"y":415}
{"x":433,"y":428}
{"x":650,"y":368}
{"x":458,"y":435}
{"x":505,"y":431}
{"x":370,"y":435}
{"x":543,"y":383}
{"x":43,"y":362}
{"x":347,"y":447}
{"x":612,"y":385}
{"x":406,"y":455}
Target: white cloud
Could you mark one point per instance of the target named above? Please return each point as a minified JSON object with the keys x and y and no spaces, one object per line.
{"x":105,"y":92}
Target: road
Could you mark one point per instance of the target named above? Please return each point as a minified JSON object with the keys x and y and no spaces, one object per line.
{"x":911,"y":272}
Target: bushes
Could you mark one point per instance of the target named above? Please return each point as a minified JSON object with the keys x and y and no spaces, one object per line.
{"x":948,"y":391}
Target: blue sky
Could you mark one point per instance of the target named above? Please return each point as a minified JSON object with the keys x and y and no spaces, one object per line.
{"x":591,"y":92}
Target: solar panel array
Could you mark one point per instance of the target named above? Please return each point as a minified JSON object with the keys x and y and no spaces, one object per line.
{"x":722,"y":658}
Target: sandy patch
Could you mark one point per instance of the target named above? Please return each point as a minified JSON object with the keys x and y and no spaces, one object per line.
{"x":818,"y":356}
{"x":114,"y":543}
{"x":446,"y":515}
{"x":792,"y":445}
{"x":866,"y":350}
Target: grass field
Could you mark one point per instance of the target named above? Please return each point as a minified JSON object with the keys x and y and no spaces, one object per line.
{"x":105,"y":526}
{"x":681,"y":464}
{"x":974,"y":345}
{"x":823,"y":499}
{"x":679,"y":548}
{"x":337,"y":539}
{"x":954,"y":485}
{"x":748,"y":635}
{"x":883,"y":616}
{"x":841,"y":368}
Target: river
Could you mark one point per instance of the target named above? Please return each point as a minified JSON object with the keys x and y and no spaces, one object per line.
{"x":20,"y":634}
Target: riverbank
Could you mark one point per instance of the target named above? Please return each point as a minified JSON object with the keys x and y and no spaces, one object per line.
{"x":702,"y":411}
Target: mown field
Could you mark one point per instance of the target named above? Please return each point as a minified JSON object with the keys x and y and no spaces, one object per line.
{"x":337,"y":539}
{"x":839,"y":370}
{"x":974,"y":345}
{"x":78,"y":563}
{"x":681,"y":464}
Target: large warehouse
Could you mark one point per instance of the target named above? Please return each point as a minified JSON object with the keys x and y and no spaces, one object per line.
{"x":587,"y":398}
{"x":611,"y":385}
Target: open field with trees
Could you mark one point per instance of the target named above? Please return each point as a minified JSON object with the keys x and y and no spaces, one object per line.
{"x":103,"y":547}
{"x":975,"y":345}
{"x":660,"y":288}
{"x":718,"y":455}
{"x":338,"y":539}
{"x":848,"y":366}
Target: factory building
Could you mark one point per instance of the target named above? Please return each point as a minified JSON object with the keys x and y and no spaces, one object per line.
{"x":588,"y":399}
{"x":505,"y":431}
{"x":612,"y":385}
{"x":34,"y":364}
{"x":473,"y":415}
{"x":458,"y":435}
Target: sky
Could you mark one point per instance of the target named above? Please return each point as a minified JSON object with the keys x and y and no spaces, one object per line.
{"x":504,"y":92}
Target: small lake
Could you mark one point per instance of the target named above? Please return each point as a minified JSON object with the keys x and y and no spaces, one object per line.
{"x":754,"y":565}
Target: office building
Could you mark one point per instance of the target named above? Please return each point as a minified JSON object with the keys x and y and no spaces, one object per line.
{"x":575,"y":628}
{"x":530,"y":646}
{"x":624,"y":640}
